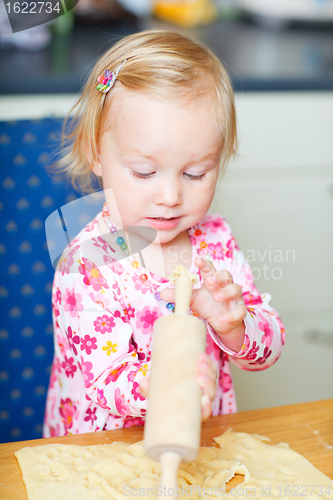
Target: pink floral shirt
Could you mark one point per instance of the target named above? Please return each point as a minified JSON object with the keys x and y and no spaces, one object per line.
{"x":104,"y":312}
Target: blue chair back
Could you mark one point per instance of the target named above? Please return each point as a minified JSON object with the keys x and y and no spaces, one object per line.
{"x":28,"y":196}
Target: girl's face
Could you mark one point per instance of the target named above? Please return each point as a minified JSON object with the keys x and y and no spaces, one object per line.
{"x":161,"y":160}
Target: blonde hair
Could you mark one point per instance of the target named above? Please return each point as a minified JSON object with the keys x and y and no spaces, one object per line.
{"x":162,"y":63}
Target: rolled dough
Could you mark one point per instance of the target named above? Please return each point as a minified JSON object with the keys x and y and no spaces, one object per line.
{"x":121,"y":470}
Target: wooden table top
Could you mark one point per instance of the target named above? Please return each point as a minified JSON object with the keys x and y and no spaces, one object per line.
{"x":306,"y":427}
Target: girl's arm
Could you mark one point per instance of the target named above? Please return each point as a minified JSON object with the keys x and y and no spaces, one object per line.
{"x":264,"y":331}
{"x":240,"y":320}
{"x":95,"y":323}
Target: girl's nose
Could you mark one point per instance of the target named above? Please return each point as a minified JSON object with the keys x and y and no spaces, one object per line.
{"x":169,"y":193}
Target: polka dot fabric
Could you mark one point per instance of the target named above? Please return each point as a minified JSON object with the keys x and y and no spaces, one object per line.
{"x":28,"y":196}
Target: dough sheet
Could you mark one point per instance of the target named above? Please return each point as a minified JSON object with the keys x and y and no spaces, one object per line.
{"x":121,"y":470}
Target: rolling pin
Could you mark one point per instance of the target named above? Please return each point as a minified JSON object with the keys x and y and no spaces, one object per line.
{"x":173,"y":419}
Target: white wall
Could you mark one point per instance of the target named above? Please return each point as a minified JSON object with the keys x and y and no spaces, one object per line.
{"x":278,"y":198}
{"x":25,"y":107}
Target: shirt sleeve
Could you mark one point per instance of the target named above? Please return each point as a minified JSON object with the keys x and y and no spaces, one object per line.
{"x":96,"y":323}
{"x":264,"y":331}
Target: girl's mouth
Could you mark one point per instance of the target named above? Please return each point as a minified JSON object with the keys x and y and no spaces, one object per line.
{"x":162,"y":223}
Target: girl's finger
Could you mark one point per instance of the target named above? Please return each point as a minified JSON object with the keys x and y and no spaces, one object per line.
{"x":168,"y":294}
{"x":219,"y":280}
{"x":144,"y":384}
{"x":230,"y":292}
{"x":207,"y":375}
{"x":206,"y":366}
{"x":206,"y":267}
{"x":206,"y":407}
{"x":204,"y":359}
{"x":235,"y":316}
{"x":224,"y":278}
{"x":207,"y":385}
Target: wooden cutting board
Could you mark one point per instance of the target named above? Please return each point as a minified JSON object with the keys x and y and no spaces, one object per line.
{"x":307,"y":428}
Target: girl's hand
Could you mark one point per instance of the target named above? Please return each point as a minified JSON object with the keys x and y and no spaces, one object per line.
{"x":220,"y":302}
{"x":207,"y":380}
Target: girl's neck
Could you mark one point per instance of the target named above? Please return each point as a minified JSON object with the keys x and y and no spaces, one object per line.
{"x":162,"y":259}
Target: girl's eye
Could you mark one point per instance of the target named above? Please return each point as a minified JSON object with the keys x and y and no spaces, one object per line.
{"x":149,"y":174}
{"x":140,"y":175}
{"x":195,"y":177}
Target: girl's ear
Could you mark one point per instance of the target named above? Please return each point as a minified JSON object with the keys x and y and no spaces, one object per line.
{"x":96,"y":167}
{"x":95,"y":163}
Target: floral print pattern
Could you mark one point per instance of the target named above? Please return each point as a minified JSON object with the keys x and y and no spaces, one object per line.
{"x":265,"y":327}
{"x":146,"y":319}
{"x":67,"y":411}
{"x":72,"y":340}
{"x":216,"y":251}
{"x":91,"y":415}
{"x":86,"y":372}
{"x":69,"y":367}
{"x":72,"y":302}
{"x":103,"y":328}
{"x":92,"y":275}
{"x":114,"y":374}
{"x":101,"y":399}
{"x":109,"y":347}
{"x":88,"y":344}
{"x":104,"y":324}
{"x":66,"y":261}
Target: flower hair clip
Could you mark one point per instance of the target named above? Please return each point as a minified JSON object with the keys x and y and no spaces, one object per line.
{"x":107,"y":81}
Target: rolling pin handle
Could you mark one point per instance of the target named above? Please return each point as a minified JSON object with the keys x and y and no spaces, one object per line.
{"x":183,"y":294}
{"x":170,"y":461}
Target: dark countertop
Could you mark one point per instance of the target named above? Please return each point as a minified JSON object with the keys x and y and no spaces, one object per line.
{"x":258,"y":58}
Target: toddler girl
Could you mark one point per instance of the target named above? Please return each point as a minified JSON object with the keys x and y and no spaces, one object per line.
{"x":156,"y":124}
